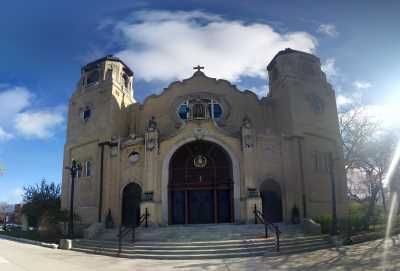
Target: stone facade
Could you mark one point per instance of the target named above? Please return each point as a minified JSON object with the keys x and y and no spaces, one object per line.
{"x":281,"y":144}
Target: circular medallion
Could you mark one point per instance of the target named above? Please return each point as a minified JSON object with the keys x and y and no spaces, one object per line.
{"x":134,"y":157}
{"x":200,"y":161}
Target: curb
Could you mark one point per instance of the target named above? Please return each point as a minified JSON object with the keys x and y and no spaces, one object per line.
{"x":30,"y":242}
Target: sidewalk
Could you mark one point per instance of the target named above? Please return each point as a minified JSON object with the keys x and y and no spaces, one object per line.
{"x":367,"y":256}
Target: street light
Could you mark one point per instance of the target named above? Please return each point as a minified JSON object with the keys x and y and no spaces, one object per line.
{"x":74,"y":169}
{"x":332,"y":160}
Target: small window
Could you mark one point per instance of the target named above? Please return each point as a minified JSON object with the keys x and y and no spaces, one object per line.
{"x":85,"y":114}
{"x":316,"y":161}
{"x":92,"y":77}
{"x":88,"y":169}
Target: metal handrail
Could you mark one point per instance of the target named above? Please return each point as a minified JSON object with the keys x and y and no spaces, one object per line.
{"x":259,"y":216}
{"x":125,"y":230}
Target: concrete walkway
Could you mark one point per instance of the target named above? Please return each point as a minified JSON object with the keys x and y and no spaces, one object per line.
{"x":367,"y":256}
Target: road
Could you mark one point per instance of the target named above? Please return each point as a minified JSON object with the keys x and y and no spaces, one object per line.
{"x":15,"y":256}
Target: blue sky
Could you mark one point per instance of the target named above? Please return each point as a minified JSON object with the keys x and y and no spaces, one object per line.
{"x":44,"y":44}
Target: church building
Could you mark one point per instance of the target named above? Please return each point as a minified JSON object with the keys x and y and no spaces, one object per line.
{"x":203,"y":151}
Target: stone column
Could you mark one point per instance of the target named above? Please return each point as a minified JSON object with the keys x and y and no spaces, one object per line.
{"x":151,"y":172}
{"x":250,"y":192}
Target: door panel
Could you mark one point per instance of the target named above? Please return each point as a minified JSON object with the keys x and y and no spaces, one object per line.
{"x":201,"y":207}
{"x":224,"y":206}
{"x":178,"y":207}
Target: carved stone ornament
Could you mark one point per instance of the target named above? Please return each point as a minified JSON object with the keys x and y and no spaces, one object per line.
{"x":246,"y":123}
{"x":199,"y":133}
{"x":247,"y":134}
{"x":152,"y":124}
{"x":151,"y":144}
{"x":200,"y":161}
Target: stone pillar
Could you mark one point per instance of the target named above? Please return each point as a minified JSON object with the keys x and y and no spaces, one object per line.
{"x":150,"y":191}
{"x":249,"y":160}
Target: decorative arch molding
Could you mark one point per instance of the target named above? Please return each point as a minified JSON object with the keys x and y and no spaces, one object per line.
{"x":129,"y":181}
{"x":165,"y":174}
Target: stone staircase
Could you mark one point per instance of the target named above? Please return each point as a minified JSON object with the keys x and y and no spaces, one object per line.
{"x":203,"y":242}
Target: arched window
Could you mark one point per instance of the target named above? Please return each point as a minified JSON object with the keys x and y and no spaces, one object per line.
{"x":92,"y":77}
{"x":125,"y":80}
{"x":199,"y":111}
{"x":88,"y":169}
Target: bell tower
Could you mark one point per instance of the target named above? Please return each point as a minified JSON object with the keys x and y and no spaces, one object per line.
{"x":97,"y":117}
{"x":305,"y":113}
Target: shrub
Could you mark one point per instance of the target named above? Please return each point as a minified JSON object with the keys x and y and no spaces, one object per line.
{"x":325,"y":221}
{"x":295,"y":215}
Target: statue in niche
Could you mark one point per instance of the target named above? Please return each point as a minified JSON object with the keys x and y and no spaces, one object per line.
{"x":198,"y":111}
{"x":152,"y":135}
{"x":247,"y":133}
{"x":152,"y":124}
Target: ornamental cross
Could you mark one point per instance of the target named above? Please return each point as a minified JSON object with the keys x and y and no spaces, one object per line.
{"x":198,"y":68}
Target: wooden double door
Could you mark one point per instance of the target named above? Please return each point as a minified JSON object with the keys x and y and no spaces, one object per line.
{"x":200,"y":186}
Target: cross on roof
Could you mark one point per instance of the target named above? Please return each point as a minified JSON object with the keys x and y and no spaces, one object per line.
{"x":198,"y":68}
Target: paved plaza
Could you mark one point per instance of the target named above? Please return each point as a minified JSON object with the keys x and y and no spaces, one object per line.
{"x":367,"y":256}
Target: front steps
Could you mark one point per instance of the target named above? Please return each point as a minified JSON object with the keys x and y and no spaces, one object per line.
{"x":203,"y":242}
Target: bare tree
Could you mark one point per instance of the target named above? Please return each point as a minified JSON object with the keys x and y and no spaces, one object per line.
{"x":368,"y":150}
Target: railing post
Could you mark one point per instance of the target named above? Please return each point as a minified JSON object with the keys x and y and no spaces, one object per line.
{"x":145,"y":217}
{"x":277,"y":240}
{"x":266,"y":229}
{"x":133,"y":233}
{"x":119,"y":241}
{"x":255,"y":213}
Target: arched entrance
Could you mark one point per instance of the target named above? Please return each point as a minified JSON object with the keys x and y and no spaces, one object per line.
{"x":200,"y":184}
{"x":131,"y":198}
{"x":271,"y":197}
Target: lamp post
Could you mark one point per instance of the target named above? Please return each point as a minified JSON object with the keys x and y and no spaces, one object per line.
{"x":333,"y":187}
{"x":73,"y":169}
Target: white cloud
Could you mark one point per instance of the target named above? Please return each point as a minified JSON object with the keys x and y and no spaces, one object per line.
{"x":15,"y":195}
{"x":361,"y":84}
{"x":328,"y":29}
{"x":39,"y":124}
{"x":4,"y":136}
{"x":12,"y":101}
{"x":17,"y":117}
{"x":163,"y":45}
{"x":329,"y":68}
{"x":260,"y":91}
{"x":343,"y":100}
